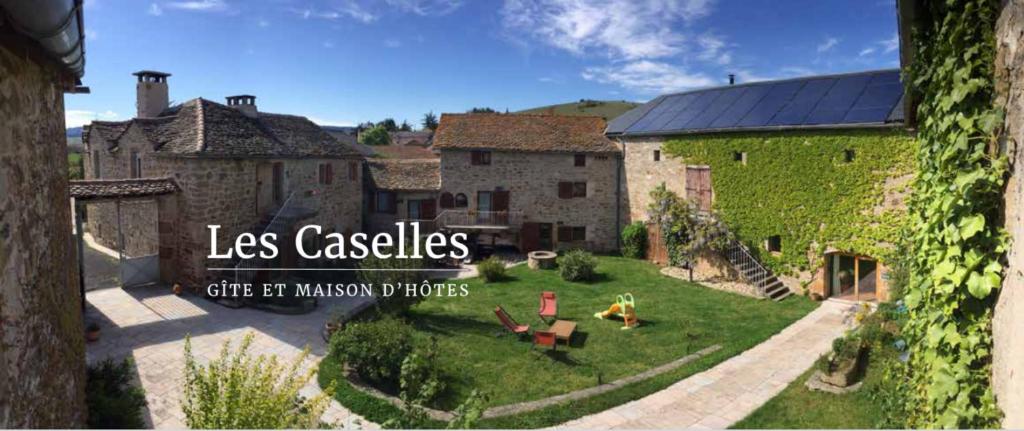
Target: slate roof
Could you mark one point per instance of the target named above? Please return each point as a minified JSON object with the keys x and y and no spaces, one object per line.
{"x":121,"y":188}
{"x":421,"y":138}
{"x":852,"y":100}
{"x":523,"y":132}
{"x":202,"y":128}
{"x":406,"y":175}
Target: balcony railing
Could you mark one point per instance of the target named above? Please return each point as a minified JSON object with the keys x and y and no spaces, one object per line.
{"x":470,"y":219}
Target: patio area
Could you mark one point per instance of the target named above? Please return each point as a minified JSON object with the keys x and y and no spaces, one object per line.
{"x":149,"y":324}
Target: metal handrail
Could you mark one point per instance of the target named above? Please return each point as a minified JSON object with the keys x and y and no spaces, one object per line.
{"x":479,"y":218}
{"x":248,"y":263}
{"x":738,"y":255}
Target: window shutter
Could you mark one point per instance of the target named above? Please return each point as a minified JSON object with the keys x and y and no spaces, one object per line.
{"x":447,"y":201}
{"x":564,"y":234}
{"x":474,"y":157}
{"x":564,"y":190}
{"x":392,"y":206}
{"x":330,"y":173}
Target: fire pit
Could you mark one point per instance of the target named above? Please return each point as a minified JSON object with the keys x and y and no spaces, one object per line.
{"x":541,"y":259}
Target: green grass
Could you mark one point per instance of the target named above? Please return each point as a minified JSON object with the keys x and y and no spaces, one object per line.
{"x":75,"y":166}
{"x":797,"y":407}
{"x":677,"y":318}
{"x":608,"y":109}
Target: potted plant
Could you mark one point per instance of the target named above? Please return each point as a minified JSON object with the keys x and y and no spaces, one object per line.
{"x":176,"y":289}
{"x":840,"y":367}
{"x":92,"y":332}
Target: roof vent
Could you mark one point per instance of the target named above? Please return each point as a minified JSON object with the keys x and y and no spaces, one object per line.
{"x":244,"y":103}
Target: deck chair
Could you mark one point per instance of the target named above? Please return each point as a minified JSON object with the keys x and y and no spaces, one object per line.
{"x":544,"y":338}
{"x":548,"y":306}
{"x":509,"y":323}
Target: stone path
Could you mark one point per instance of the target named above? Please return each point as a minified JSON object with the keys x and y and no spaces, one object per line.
{"x":721,"y":396}
{"x":149,"y":324}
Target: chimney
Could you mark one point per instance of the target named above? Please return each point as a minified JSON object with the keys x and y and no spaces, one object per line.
{"x":150,"y":93}
{"x":732,"y":78}
{"x":244,"y":103}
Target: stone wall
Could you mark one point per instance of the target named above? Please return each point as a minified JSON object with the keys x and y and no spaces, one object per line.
{"x":1008,"y":323}
{"x":532,"y":181}
{"x":42,"y":370}
{"x":383,"y":222}
{"x":643,"y":174}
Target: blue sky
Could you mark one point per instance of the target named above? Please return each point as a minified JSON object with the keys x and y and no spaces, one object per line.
{"x":347,"y":61}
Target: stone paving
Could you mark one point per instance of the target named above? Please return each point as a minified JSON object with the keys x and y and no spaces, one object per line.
{"x":721,"y":396}
{"x":149,"y":324}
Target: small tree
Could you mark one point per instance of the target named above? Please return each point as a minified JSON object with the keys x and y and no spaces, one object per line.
{"x":239,"y":391}
{"x":389,"y":124}
{"x":377,"y":135}
{"x":430,"y":121}
{"x":405,"y":127}
{"x":685,"y":228}
{"x":634,"y":240}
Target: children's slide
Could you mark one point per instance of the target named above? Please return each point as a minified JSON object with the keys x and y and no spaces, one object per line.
{"x":623,"y":307}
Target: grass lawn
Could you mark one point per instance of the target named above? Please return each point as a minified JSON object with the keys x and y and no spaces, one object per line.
{"x":797,"y":407}
{"x":676,"y":317}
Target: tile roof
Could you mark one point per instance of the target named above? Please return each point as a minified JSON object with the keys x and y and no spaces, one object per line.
{"x":204,"y":128}
{"x":862,"y":99}
{"x":406,"y":175}
{"x":121,"y":188}
{"x":403,"y":152}
{"x":421,"y":138}
{"x":523,"y":132}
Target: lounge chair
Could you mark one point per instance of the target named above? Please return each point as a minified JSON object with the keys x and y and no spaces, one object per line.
{"x":509,"y":323}
{"x":548,"y":306}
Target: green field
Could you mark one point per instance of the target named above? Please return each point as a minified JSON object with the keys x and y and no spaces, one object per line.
{"x":608,"y":109}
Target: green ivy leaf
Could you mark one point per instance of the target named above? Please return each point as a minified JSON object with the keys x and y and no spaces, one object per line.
{"x":969,"y":226}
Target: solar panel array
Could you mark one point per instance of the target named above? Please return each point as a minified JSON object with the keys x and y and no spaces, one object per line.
{"x":861,"y":98}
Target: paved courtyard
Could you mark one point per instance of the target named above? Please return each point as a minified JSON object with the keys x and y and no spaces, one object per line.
{"x":149,"y":324}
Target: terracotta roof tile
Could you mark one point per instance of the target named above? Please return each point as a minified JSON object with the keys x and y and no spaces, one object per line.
{"x":406,"y":175}
{"x":523,"y":132}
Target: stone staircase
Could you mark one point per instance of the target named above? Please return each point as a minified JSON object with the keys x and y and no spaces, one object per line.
{"x":752,"y":271}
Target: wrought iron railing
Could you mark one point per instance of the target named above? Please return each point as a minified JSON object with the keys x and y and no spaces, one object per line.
{"x":749,"y":267}
{"x":471,"y":218}
{"x":247,"y":269}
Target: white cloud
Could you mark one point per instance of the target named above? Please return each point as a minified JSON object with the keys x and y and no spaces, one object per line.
{"x":344,"y":9}
{"x":392,"y":43}
{"x":620,"y":29}
{"x":713,"y":49}
{"x":199,"y":5}
{"x":866,"y":52}
{"x":78,"y":118}
{"x":546,"y":79}
{"x":155,"y":10}
{"x":426,"y":7}
{"x":828,"y":44}
{"x":647,"y":76}
{"x":890,"y":45}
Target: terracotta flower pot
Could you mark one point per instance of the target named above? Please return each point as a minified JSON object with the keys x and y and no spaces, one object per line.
{"x":177,"y":289}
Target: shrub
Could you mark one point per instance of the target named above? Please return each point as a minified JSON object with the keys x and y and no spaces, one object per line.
{"x":375,"y":350}
{"x":405,"y":271}
{"x":634,"y":240}
{"x":492,"y":269}
{"x":421,"y":382}
{"x":113,"y":401}
{"x":239,"y":391}
{"x":577,"y":265}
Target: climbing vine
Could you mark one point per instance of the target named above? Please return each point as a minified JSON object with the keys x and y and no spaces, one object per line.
{"x":957,"y":239}
{"x":815,"y":190}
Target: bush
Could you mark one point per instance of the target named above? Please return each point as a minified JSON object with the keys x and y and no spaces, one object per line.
{"x":577,"y":265}
{"x":239,"y":391}
{"x":406,"y":271}
{"x":421,"y":382}
{"x":492,"y":269}
{"x":113,"y":401}
{"x":634,"y":240}
{"x":374,"y":350}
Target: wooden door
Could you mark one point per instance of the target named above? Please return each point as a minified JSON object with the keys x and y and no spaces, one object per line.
{"x":657,"y":253}
{"x":499,"y":205}
{"x":428,"y":209}
{"x":698,"y":186}
{"x":529,"y":237}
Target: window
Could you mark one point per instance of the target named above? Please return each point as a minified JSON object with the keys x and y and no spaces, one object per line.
{"x":461,"y":201}
{"x":657,"y":155}
{"x":483,"y":201}
{"x":136,"y":164}
{"x":447,"y":200}
{"x":572,"y":233}
{"x":326,"y":173}
{"x":580,"y":160}
{"x":848,"y":155}
{"x":774,"y":244}
{"x":477,"y":157}
{"x":385,"y":202}
{"x":569,"y":190}
{"x":96,"y":164}
{"x":353,"y":171}
{"x":739,"y":156}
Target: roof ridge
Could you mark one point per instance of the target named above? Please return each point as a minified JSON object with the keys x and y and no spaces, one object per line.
{"x":200,"y":125}
{"x":776,"y":81}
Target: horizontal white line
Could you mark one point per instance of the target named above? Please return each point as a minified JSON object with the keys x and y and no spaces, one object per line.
{"x":334,"y":269}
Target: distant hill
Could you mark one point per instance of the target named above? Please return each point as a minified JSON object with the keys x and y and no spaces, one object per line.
{"x":608,"y":109}
{"x":74,"y":132}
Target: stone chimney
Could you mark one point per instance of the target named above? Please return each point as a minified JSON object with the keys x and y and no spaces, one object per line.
{"x":244,"y":103}
{"x":150,"y":93}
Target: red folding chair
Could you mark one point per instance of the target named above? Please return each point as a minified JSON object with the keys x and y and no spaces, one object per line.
{"x":544,"y":338}
{"x":548,"y":306}
{"x":509,"y":323}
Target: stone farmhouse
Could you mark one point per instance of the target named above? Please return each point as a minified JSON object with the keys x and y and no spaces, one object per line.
{"x":236,"y":167}
{"x":807,"y":173}
{"x":402,"y":190}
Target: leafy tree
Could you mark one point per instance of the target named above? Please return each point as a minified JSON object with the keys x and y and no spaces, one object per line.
{"x":389,"y":124}
{"x":484,"y":110}
{"x":684,"y":227}
{"x":377,"y":135}
{"x":430,"y":121}
{"x":405,"y":127}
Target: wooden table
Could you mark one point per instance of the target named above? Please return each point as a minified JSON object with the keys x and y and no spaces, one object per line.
{"x":563,"y":330}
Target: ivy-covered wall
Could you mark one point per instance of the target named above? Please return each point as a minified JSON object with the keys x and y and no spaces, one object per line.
{"x":800,"y":186}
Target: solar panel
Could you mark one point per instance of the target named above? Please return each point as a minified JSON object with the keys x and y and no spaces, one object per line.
{"x":720,"y":105}
{"x":733,"y":114}
{"x":692,"y":110}
{"x":675,"y":106}
{"x":838,"y":101}
{"x":803,"y":102}
{"x":780,"y":94}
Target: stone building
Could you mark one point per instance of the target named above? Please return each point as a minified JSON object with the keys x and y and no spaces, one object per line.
{"x":42,"y":350}
{"x":401,"y":190}
{"x":236,"y":167}
{"x":727,"y":126}
{"x":532,"y":181}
